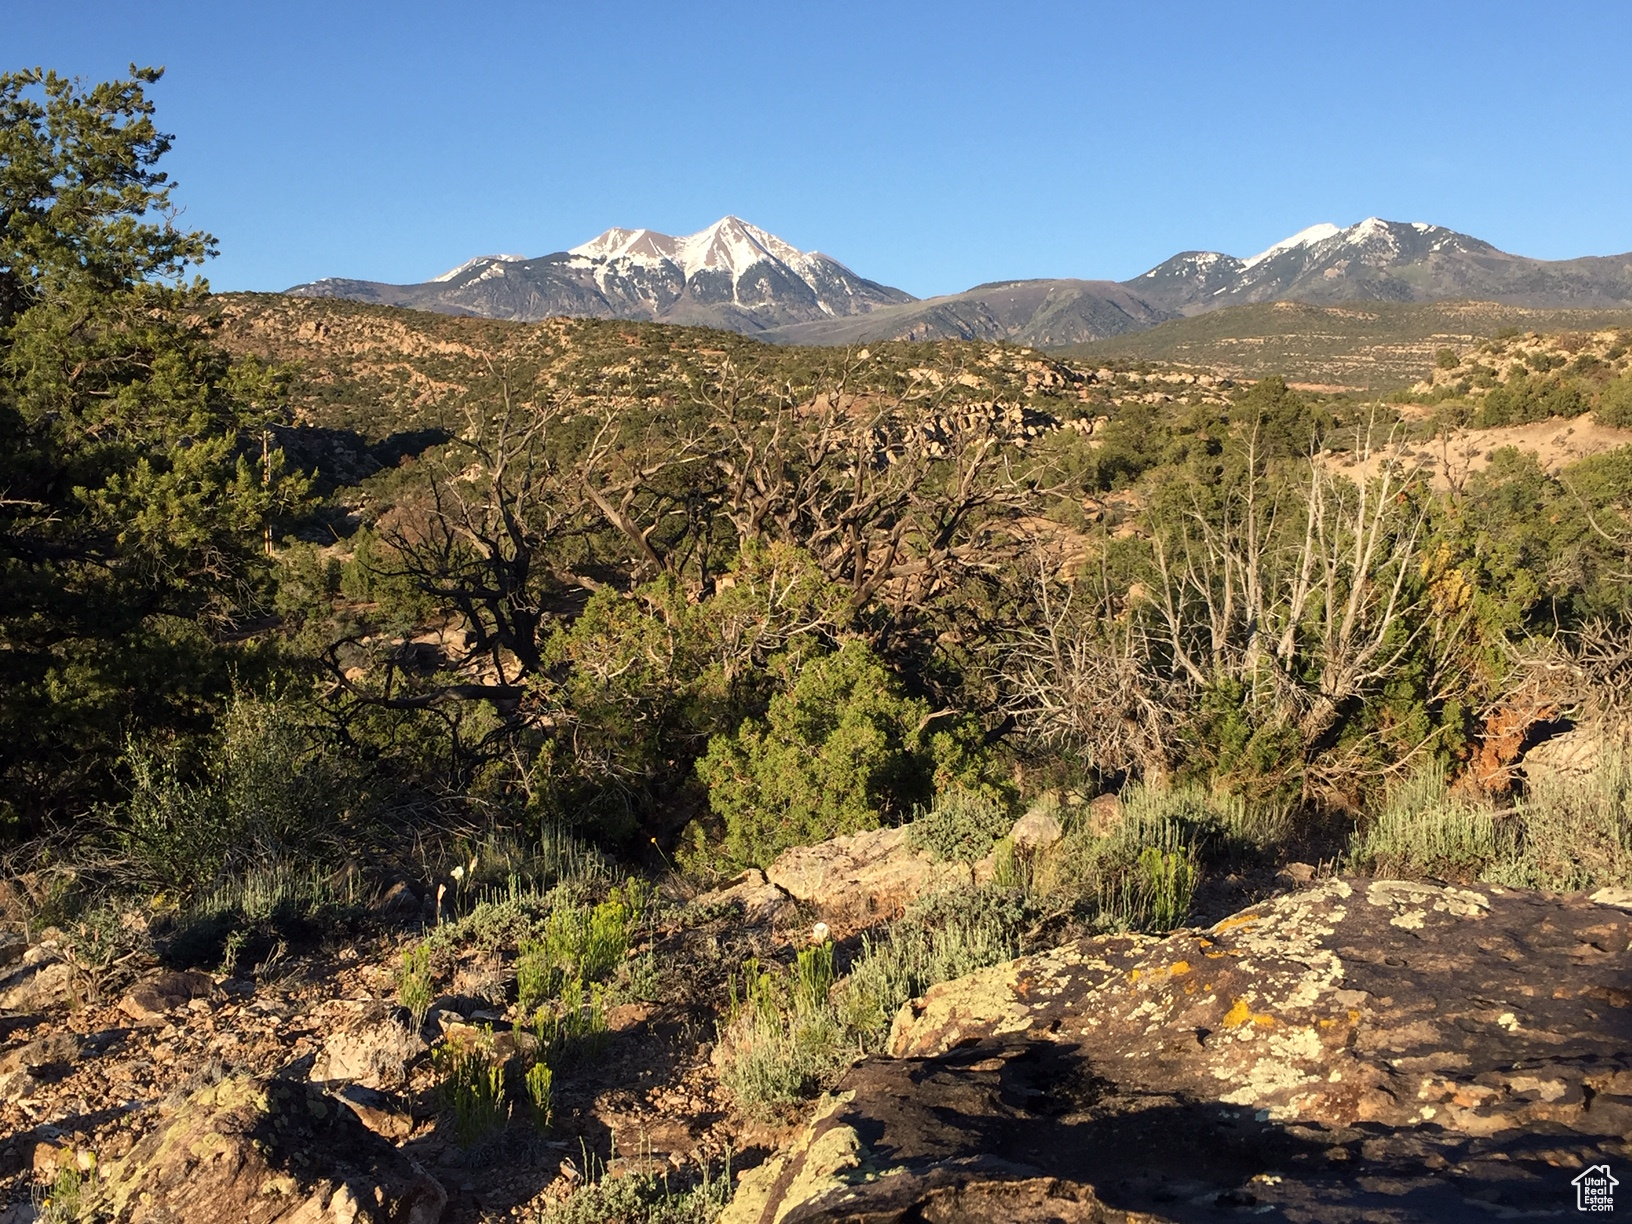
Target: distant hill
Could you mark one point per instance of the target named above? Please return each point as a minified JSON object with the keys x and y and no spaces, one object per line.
{"x":1361,"y":346}
{"x":1040,"y":313}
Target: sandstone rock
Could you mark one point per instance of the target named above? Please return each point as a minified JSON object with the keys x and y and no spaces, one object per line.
{"x":1104,"y":815}
{"x":1036,"y":830}
{"x":374,"y":1054}
{"x":1297,"y":873}
{"x":39,"y":984}
{"x":24,"y":1069}
{"x":251,"y":1151}
{"x":761,"y":900}
{"x":861,"y":878}
{"x":390,"y":1117}
{"x":153,"y":999}
{"x":1361,"y":1049}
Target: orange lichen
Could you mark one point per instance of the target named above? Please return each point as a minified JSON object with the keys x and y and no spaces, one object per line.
{"x":1240,"y":1014}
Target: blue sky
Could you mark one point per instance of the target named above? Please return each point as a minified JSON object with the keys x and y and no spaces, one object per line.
{"x":930,"y":146}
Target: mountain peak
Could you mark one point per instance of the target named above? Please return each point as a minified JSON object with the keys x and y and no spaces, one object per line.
{"x":470,"y":264}
{"x":1303,"y":238}
{"x":729,"y":245}
{"x":730,"y":274}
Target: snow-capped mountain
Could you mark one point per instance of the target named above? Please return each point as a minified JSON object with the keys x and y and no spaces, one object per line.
{"x":732,"y":274}
{"x":1377,"y":260}
{"x":737,"y":276}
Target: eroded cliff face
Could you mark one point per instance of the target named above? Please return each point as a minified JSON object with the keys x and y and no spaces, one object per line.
{"x":1362,"y":1049}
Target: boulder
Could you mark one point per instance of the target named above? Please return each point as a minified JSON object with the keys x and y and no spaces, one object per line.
{"x":388,"y":1116}
{"x":1360,"y":1049}
{"x":151,"y":1000}
{"x":1037,"y":830}
{"x":375,"y":1054}
{"x":256,"y":1151}
{"x":38,"y":984}
{"x":761,"y":900}
{"x":862,"y":878}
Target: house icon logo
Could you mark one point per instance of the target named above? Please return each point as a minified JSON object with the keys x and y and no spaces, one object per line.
{"x":1595,"y":1189}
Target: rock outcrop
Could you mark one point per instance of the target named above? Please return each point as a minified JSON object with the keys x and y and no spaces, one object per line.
{"x":762,"y":902}
{"x":863,"y":878}
{"x":255,"y":1151}
{"x":1362,"y":1049}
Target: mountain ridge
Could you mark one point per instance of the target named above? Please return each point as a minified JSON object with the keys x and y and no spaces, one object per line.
{"x":740,"y":277}
{"x":732,"y":275}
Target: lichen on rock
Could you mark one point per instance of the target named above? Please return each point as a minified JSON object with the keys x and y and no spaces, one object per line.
{"x":1465,"y":1045}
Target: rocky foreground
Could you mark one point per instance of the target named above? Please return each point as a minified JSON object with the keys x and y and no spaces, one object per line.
{"x":1360,"y":1050}
{"x":1357,"y":1050}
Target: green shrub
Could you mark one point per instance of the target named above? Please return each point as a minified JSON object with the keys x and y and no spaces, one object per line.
{"x":1142,"y":873}
{"x":269,"y":793}
{"x":579,"y":943}
{"x":1566,"y":833}
{"x":472,"y":1087}
{"x":414,"y":989}
{"x":942,"y":937}
{"x":779,"y":1042}
{"x":789,"y":1032}
{"x":573,"y":1021}
{"x":1166,"y":880}
{"x":1446,"y":359}
{"x":1526,"y":398}
{"x":1577,"y":831}
{"x":65,"y":1201}
{"x":1423,"y":829}
{"x":841,"y":750}
{"x":642,"y":1197}
{"x":961,"y":826}
{"x":254,"y":908}
{"x":1615,"y":403}
{"x":540,"y":1085}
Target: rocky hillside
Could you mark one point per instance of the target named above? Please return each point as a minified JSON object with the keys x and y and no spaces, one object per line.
{"x":1046,"y":314}
{"x":1349,"y":1047}
{"x":1358,"y":1050}
{"x":1362,"y":346}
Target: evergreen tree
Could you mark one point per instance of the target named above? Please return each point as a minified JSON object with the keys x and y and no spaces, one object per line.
{"x":138,"y":488}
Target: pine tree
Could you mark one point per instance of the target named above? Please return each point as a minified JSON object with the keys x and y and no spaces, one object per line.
{"x":138,"y":486}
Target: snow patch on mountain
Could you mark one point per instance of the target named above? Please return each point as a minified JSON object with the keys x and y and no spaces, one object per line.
{"x":731,"y":245}
{"x":471,"y":264}
{"x":1303,"y":238}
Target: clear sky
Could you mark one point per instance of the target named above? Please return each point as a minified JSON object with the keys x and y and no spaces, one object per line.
{"x":929,"y":146}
